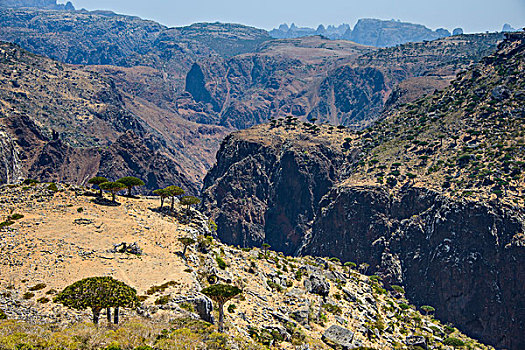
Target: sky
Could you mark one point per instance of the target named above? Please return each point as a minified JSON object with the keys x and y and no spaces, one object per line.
{"x":471,"y":15}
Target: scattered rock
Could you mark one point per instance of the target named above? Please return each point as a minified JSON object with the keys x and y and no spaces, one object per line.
{"x":416,"y":340}
{"x":83,"y":221}
{"x":130,"y":248}
{"x":339,"y":337}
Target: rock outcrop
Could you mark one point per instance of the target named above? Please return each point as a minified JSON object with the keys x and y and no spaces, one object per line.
{"x":266,"y":188}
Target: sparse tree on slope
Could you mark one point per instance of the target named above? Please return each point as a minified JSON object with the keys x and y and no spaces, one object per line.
{"x":130,"y":182}
{"x":221,"y":293}
{"x":97,"y":180}
{"x":186,"y":241}
{"x":173,"y":192}
{"x":163,"y":194}
{"x":113,"y":187}
{"x":188,"y":201}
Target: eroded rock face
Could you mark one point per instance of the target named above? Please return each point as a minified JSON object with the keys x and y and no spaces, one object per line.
{"x":460,"y":256}
{"x":268,"y":190}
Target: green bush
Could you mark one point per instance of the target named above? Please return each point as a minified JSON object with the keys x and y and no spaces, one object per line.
{"x":221,"y":263}
{"x":163,"y":300}
{"x":52,"y":187}
{"x":453,"y":341}
{"x":398,"y":289}
{"x":6,"y":223}
{"x":332,"y":308}
{"x":3,"y":316}
{"x":15,"y":216}
{"x":231,"y":308}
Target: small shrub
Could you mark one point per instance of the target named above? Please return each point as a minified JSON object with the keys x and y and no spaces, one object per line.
{"x":274,"y":285}
{"x":28,"y":295}
{"x":221,"y":263}
{"x":80,"y":210}
{"x":38,"y":286}
{"x":6,"y":223}
{"x":449,"y":329}
{"x":52,"y":187}
{"x":43,"y":300}
{"x":163,"y":300}
{"x":30,"y":182}
{"x":404,"y":306}
{"x":51,"y":291}
{"x":398,"y":289}
{"x":15,"y":217}
{"x":334,"y":309}
{"x":3,"y":316}
{"x":187,"y":306}
{"x":231,"y":308}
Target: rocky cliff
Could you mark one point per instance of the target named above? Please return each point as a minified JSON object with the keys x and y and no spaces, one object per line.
{"x":431,"y":197}
{"x":269,"y":181}
{"x":333,"y":81}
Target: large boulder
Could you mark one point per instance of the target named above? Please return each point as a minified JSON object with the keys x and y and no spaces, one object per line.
{"x":339,"y":337}
{"x":317,"y":285}
{"x":203,"y":305}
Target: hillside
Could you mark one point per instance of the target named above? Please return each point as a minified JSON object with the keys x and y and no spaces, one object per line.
{"x":431,"y":197}
{"x":64,"y":236}
{"x":62,"y":122}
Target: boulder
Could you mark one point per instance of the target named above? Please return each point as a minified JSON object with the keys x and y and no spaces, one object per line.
{"x":416,"y":340}
{"x":203,"y":305}
{"x":130,"y":248}
{"x":317,"y":285}
{"x":300,"y":315}
{"x":339,"y":337}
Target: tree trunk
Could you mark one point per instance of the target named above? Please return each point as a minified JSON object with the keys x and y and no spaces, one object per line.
{"x":184,"y":251}
{"x":108,"y":314}
{"x":161,"y":202}
{"x":172,"y":203}
{"x":100,"y":192}
{"x":96,"y":314}
{"x":129,"y":191}
{"x":114,"y":195}
{"x":221,"y":318}
{"x":115,"y":315}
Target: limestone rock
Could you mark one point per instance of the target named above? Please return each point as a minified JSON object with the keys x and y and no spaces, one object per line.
{"x":339,"y":337}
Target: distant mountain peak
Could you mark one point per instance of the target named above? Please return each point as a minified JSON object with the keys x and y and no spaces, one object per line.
{"x":39,"y":4}
{"x":367,"y":31}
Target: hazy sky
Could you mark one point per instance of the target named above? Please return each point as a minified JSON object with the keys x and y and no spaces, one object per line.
{"x":471,"y":15}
